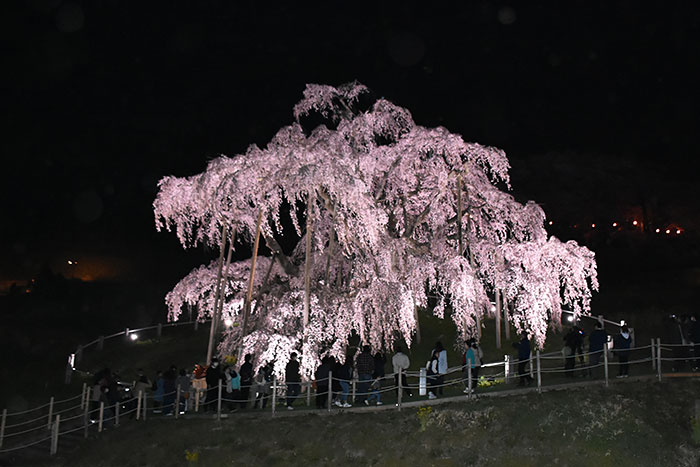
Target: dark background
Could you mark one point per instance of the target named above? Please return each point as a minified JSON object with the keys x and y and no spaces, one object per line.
{"x":594,"y":103}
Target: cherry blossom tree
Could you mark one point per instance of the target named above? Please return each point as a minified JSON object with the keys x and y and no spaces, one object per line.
{"x":386,"y":213}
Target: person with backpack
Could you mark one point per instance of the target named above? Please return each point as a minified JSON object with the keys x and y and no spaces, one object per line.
{"x":472,"y":358}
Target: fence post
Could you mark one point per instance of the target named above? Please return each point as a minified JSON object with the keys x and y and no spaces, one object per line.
{"x":196,"y":400}
{"x":86,"y":416}
{"x":100,"y":342}
{"x":145,"y":403}
{"x":102,"y":413}
{"x":658,"y":357}
{"x":400,"y":395}
{"x":605,"y":362}
{"x":539,"y":373}
{"x":159,"y":332}
{"x":138,"y":405}
{"x":126,"y":333}
{"x":48,"y":425}
{"x":308,"y":393}
{"x":54,"y":435}
{"x":353,"y":389}
{"x":83,"y":399}
{"x":2,"y":425}
{"x":177,"y":403}
{"x":274,"y":393}
{"x":330,"y":390}
{"x":506,"y":368}
{"x":218,"y":403}
{"x":530,"y":366}
{"x":116,"y":413}
{"x":653,"y":354}
{"x":469,"y":378}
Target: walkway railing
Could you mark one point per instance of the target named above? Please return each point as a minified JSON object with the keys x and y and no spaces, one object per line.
{"x":42,"y":427}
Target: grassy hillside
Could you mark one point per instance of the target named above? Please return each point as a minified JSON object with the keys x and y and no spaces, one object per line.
{"x":630,"y":424}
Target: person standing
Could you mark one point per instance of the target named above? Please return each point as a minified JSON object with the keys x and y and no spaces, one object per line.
{"x":322,"y":382}
{"x":596,"y":346}
{"x":378,"y":376}
{"x":169,"y":389}
{"x":473,"y":358}
{"x":246,"y":373}
{"x":432,"y":374}
{"x":400,"y":363}
{"x":213,"y":377}
{"x":293,"y":380}
{"x":183,"y":383}
{"x":523,"y":357}
{"x":344,"y":372}
{"x":621,"y":348}
{"x":158,"y":392}
{"x":365,"y":367}
{"x":262,"y":385}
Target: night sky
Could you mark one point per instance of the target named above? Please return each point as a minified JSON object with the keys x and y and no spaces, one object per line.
{"x":595,"y":105}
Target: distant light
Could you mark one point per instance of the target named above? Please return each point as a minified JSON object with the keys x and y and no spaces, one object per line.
{"x":133,"y":336}
{"x":550,"y":222}
{"x":658,"y":230}
{"x":668,"y":231}
{"x":622,"y":322}
{"x":593,"y":225}
{"x":228,"y":322}
{"x":614,"y":224}
{"x":635,"y":222}
{"x":570,"y":318}
{"x":493,"y":308}
{"x":678,"y":231}
{"x":70,"y":262}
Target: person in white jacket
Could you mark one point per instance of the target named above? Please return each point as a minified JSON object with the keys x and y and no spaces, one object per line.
{"x":400,"y":362}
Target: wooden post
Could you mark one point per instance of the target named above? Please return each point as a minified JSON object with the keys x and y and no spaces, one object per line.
{"x":308,"y":393}
{"x":469,"y":378}
{"x":138,"y":405}
{"x":50,"y":418}
{"x":86,"y":417}
{"x":539,"y":373}
{"x":100,"y":342}
{"x":54,"y":435}
{"x":159,"y":331}
{"x":218,"y":403}
{"x":126,"y":333}
{"x":274,"y":394}
{"x":605,"y":362}
{"x":506,"y":368}
{"x":177,"y":402}
{"x":102,"y":414}
{"x":249,"y":295}
{"x":330,"y":390}
{"x":498,"y":319}
{"x":658,"y":358}
{"x":307,"y":263}
{"x":653,"y":354}
{"x":117,"y":406}
{"x":353,"y":390}
{"x":212,"y":329}
{"x":530,"y":369}
{"x":83,"y":398}
{"x":3,"y":421}
{"x":196,"y":400}
{"x":400,"y":395}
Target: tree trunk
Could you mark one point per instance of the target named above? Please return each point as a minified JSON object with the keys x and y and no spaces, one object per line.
{"x":212,"y":329}
{"x":506,"y":319}
{"x":498,"y":319}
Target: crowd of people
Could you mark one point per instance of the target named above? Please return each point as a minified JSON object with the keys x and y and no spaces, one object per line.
{"x":245,"y":388}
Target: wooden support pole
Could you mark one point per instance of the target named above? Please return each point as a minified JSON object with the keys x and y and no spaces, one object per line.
{"x":498,"y":319}
{"x":330,"y":390}
{"x":83,"y":396}
{"x":539,"y":373}
{"x":308,"y":393}
{"x":126,"y":333}
{"x":196,"y":400}
{"x":354,"y":387}
{"x":307,"y":263}
{"x":653,"y":354}
{"x":400,"y":394}
{"x":50,"y":418}
{"x":658,"y":358}
{"x":212,"y":329}
{"x":254,"y":261}
{"x":86,"y":416}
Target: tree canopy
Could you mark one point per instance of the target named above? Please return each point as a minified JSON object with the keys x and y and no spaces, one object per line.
{"x":393,"y":213}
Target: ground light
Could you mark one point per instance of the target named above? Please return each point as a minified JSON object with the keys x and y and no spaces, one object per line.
{"x":133,"y":336}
